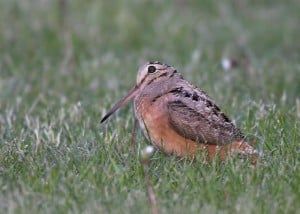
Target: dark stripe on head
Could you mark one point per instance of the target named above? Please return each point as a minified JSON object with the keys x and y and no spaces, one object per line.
{"x":173,"y":74}
{"x":162,"y":75}
{"x":143,"y":79}
{"x":159,"y":63}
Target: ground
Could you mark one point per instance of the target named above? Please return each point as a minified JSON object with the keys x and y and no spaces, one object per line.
{"x":62,"y":66}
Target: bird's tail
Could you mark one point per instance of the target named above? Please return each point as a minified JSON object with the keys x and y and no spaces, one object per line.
{"x":240,"y":148}
{"x":244,"y":150}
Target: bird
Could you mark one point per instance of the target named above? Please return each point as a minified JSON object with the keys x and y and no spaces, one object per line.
{"x":181,"y":119}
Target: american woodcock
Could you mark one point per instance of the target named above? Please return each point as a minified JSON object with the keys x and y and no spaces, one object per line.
{"x":179,"y":118}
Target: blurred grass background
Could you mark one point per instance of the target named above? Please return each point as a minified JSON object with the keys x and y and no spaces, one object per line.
{"x":64,"y":63}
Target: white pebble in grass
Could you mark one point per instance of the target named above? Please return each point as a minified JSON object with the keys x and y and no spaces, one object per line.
{"x":149,"y":149}
{"x":226,"y":64}
{"x":146,"y":153}
{"x":78,"y":104}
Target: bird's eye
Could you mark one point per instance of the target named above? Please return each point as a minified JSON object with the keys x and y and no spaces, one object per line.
{"x":151,"y":69}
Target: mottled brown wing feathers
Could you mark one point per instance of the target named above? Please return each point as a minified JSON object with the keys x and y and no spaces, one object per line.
{"x":201,"y":122}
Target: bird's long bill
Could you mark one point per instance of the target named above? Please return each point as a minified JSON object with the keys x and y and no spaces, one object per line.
{"x":131,"y":93}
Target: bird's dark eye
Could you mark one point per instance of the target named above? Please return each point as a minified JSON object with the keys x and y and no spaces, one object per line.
{"x":151,"y":69}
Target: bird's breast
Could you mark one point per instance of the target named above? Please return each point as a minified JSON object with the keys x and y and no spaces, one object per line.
{"x":154,"y":120}
{"x":149,"y":112}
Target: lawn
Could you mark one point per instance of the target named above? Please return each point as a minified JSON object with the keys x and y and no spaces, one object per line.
{"x":62,"y":66}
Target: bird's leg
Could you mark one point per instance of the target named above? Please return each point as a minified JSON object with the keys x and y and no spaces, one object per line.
{"x":135,"y":123}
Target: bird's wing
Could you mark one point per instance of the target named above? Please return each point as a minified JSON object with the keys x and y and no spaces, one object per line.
{"x":195,"y":116}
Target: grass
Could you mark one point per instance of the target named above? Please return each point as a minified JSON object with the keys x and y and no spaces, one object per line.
{"x":61,"y":71}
